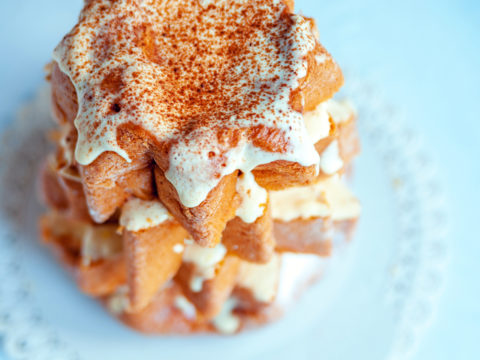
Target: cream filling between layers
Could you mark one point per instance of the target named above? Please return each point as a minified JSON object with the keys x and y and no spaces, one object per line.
{"x":330,"y":160}
{"x":318,"y":126}
{"x":253,"y":198}
{"x":185,"y":306}
{"x":100,"y":242}
{"x":118,"y":302}
{"x":226,"y":322}
{"x":68,"y":156}
{"x":280,"y":282}
{"x":96,"y":242}
{"x":260,"y":279}
{"x":289,"y":274}
{"x":341,"y":110}
{"x":343,"y":204}
{"x":205,"y":260}
{"x":317,"y":121}
{"x":327,"y":198}
{"x":138,"y":214}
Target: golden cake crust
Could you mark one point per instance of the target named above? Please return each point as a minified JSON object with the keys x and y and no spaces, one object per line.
{"x":108,"y":180}
{"x":181,"y":123}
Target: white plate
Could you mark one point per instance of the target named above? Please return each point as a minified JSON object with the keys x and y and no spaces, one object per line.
{"x":375,"y":301}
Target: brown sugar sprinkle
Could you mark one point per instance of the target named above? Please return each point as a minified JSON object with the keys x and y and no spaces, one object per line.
{"x":187,"y":71}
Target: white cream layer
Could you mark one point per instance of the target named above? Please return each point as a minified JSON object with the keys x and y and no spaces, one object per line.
{"x":140,"y":214}
{"x":253,"y":198}
{"x":66,"y":170}
{"x":341,"y":110}
{"x":296,"y":273}
{"x":260,"y":279}
{"x":327,"y":198}
{"x":283,"y":280}
{"x":317,"y":121}
{"x":205,"y":260}
{"x":100,"y":242}
{"x":341,"y":201}
{"x":330,"y":160}
{"x":226,"y":322}
{"x":185,"y":306}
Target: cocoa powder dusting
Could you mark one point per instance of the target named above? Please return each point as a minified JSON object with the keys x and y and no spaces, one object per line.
{"x":214,"y":75}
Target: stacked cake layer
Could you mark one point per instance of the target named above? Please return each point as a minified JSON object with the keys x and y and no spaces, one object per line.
{"x":197,"y":181}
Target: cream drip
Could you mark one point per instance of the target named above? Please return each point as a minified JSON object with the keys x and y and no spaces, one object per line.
{"x":205,"y":261}
{"x":330,"y":160}
{"x":185,"y":306}
{"x":162,"y":111}
{"x":226,"y":321}
{"x":253,"y":198}
{"x":317,"y":122}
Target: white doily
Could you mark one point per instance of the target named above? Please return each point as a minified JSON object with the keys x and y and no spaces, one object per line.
{"x":26,"y":334}
{"x":417,"y":265}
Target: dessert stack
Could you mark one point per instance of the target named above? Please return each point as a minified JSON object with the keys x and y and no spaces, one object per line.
{"x":197,"y":182}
